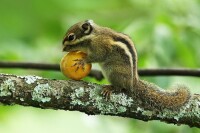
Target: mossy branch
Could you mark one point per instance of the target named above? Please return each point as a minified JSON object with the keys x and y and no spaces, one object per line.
{"x":85,"y":97}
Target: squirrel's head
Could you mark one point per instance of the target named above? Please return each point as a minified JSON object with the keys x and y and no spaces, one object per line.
{"x":78,"y":36}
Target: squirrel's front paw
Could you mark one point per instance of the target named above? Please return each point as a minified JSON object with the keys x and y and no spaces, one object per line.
{"x":79,"y":63}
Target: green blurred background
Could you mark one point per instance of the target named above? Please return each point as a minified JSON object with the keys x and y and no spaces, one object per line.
{"x":166,"y":34}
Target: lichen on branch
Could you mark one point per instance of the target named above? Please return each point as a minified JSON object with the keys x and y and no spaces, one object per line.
{"x":85,"y":97}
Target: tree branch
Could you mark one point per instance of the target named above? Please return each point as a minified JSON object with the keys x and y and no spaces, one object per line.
{"x":41,"y":66}
{"x":98,"y":75}
{"x":85,"y":97}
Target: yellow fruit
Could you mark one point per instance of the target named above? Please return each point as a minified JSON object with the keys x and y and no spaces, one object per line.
{"x":71,"y":67}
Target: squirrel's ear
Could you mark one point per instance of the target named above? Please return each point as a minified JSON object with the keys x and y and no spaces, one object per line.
{"x":87,"y":27}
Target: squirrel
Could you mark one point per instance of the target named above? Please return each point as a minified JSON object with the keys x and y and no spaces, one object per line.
{"x":116,"y":54}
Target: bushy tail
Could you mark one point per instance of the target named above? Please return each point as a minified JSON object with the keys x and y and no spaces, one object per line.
{"x":155,"y":97}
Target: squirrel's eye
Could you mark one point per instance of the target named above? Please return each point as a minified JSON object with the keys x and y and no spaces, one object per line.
{"x":71,"y":37}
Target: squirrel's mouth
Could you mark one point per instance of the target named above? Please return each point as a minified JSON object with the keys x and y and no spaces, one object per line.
{"x":71,"y":48}
{"x":65,"y":49}
{"x":74,"y":47}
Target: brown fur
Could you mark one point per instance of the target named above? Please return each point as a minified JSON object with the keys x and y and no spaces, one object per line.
{"x":156,"y":97}
{"x":114,"y":52}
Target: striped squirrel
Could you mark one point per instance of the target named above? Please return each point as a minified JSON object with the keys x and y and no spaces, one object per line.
{"x":116,"y":54}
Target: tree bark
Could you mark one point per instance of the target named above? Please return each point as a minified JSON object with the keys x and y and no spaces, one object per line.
{"x":85,"y":97}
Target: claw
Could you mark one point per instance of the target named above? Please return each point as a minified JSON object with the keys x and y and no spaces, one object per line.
{"x":77,"y":69}
{"x":79,"y":63}
{"x":106,"y":92}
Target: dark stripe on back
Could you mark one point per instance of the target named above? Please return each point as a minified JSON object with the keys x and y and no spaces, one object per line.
{"x":124,"y":57}
{"x":130,"y":48}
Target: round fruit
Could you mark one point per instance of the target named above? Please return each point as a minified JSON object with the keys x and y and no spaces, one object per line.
{"x":73,"y":66}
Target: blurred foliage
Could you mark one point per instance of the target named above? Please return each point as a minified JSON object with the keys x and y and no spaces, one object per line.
{"x":166,"y":34}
